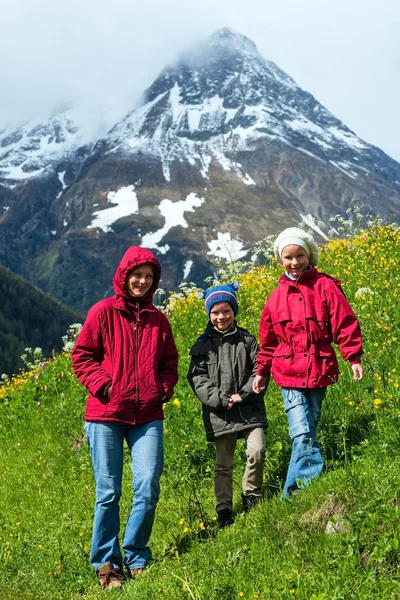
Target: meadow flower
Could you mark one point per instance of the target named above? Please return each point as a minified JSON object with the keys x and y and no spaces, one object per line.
{"x":177,"y":402}
{"x":364,"y":290}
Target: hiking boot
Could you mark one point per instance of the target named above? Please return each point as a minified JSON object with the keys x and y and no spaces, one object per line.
{"x":109,"y":577}
{"x":249,"y":501}
{"x":225,"y":518}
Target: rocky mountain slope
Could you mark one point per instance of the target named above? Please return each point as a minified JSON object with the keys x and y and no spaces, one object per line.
{"x":224,"y":149}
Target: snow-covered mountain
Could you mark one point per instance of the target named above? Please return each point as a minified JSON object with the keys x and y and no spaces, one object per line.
{"x":222,"y":98}
{"x":35,"y":148}
{"x":223,"y":149}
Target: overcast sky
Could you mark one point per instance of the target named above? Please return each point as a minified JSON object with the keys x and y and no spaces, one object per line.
{"x":345,"y":52}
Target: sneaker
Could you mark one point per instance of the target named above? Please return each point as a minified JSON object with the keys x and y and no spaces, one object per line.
{"x":109,"y":577}
{"x":250,"y":501}
{"x":225,"y":518}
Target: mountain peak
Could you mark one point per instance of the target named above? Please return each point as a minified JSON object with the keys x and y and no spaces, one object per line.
{"x":230,"y":39}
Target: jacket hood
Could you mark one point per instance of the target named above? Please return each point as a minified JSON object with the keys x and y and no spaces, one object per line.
{"x":133,"y":257}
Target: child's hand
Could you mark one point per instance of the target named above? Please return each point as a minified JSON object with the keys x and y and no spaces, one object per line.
{"x":259,"y":384}
{"x":358,"y":371}
{"x":235,"y":399}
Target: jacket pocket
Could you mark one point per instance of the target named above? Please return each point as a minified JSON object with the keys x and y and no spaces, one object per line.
{"x":212,"y":368}
{"x":280,"y":320}
{"x":318,"y":326}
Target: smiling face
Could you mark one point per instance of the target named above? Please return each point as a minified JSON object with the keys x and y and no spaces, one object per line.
{"x":221,"y":315}
{"x":295,"y":259}
{"x":140,"y":280}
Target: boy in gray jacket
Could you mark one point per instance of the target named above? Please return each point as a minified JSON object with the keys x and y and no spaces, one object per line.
{"x":221,"y":373}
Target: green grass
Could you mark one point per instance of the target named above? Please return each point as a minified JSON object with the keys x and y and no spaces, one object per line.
{"x":280,"y":550}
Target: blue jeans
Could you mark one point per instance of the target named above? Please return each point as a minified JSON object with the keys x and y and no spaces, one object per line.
{"x":146,"y":445}
{"x":303,"y":410}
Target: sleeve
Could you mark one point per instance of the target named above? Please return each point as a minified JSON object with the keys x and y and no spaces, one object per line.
{"x":246,"y":392}
{"x":268,"y":343}
{"x":168,"y":366}
{"x":88,"y":353}
{"x":346,"y":331}
{"x":201,"y":383}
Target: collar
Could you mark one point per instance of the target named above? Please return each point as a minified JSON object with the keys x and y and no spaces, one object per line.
{"x":310,"y":273}
{"x":214,"y":331}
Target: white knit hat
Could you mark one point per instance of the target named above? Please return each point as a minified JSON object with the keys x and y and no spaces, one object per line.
{"x":295,"y":235}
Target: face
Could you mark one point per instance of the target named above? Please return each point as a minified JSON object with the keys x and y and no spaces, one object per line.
{"x":140,"y":280}
{"x":221,"y":315}
{"x":295,"y":259}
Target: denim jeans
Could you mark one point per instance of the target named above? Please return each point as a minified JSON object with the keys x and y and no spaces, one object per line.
{"x":303,"y":410}
{"x":106,"y":443}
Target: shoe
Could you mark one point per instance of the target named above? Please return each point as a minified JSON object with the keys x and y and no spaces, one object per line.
{"x":225,"y":518}
{"x":249,"y":501}
{"x":109,"y":577}
{"x":136,"y":572}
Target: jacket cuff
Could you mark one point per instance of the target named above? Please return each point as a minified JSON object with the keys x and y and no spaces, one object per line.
{"x":355,"y":360}
{"x":225,"y":400}
{"x":263,"y":371}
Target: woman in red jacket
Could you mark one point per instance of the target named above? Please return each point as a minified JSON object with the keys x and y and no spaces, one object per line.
{"x":126,"y":358}
{"x":302,"y":317}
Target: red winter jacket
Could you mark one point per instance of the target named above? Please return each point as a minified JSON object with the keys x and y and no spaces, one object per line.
{"x":127,"y":343}
{"x":299,"y":322}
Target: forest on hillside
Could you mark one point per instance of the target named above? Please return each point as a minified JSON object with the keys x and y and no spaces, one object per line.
{"x":29,"y":318}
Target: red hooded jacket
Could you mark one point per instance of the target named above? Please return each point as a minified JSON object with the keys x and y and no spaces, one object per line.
{"x":127,"y":343}
{"x":299,"y":322}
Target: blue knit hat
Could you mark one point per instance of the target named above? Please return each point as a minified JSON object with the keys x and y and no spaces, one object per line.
{"x":221,"y":293}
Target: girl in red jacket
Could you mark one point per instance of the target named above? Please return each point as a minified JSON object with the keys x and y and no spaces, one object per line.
{"x":302,"y":317}
{"x":126,"y":358}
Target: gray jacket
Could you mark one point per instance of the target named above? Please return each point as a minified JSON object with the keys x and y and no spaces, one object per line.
{"x":222,"y":364}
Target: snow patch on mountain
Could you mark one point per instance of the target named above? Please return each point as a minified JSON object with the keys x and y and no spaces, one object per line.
{"x":125,"y":203}
{"x":173,"y":213}
{"x":61,"y":176}
{"x":187,"y":268}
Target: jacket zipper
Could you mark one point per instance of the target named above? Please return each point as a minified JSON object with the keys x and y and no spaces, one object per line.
{"x":136,"y":353}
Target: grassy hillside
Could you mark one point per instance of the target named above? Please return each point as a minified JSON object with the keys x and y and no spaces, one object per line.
{"x":337,"y":540}
{"x":29,"y":318}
